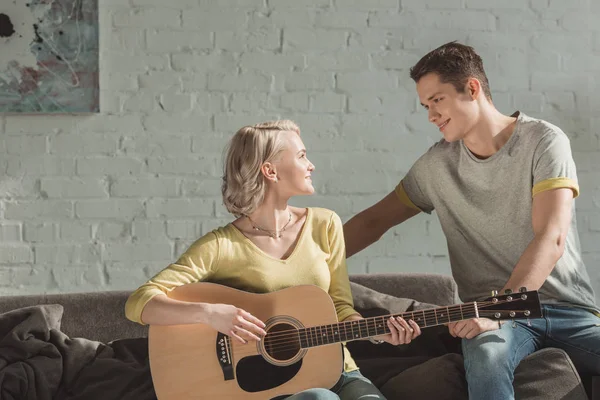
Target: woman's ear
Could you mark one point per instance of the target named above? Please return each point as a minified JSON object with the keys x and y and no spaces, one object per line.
{"x":269,"y":171}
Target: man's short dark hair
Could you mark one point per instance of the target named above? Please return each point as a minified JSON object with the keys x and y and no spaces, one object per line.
{"x":454,"y":63}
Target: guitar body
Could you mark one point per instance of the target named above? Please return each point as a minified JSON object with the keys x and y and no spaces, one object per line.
{"x":196,"y":362}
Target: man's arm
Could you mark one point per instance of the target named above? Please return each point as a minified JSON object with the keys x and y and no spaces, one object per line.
{"x":369,"y":225}
{"x":551,"y":219}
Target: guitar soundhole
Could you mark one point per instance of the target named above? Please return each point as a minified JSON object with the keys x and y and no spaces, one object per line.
{"x":282,"y":342}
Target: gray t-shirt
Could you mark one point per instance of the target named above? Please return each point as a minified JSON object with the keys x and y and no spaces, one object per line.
{"x":484,"y":207}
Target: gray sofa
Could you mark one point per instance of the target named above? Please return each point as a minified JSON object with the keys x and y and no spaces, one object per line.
{"x":430,"y":367}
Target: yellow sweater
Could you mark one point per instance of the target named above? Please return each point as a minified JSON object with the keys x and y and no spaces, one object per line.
{"x":227,"y":257}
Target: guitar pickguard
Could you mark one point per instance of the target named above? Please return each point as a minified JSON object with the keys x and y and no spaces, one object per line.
{"x":255,"y":374}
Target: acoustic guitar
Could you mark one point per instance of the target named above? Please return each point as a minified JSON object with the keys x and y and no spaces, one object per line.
{"x":301,"y":349}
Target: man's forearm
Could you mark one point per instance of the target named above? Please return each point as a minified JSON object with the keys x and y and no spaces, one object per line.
{"x":536,"y":263}
{"x":358,"y":235}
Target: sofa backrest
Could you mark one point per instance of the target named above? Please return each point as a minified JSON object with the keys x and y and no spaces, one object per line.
{"x":100,"y":315}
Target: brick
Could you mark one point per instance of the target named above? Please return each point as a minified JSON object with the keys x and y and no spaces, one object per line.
{"x":567,"y":5}
{"x":360,"y":82}
{"x":73,"y":188}
{"x":76,"y":144}
{"x":122,"y":277}
{"x":287,"y":4}
{"x":26,"y":144}
{"x":384,"y":103}
{"x":202,"y":166}
{"x":84,"y":277}
{"x":300,"y":39}
{"x":328,"y":102}
{"x":34,"y":209}
{"x":341,"y":19}
{"x":190,"y":230}
{"x":149,"y":231}
{"x":144,"y":187}
{"x":147,"y":17}
{"x":250,"y":102}
{"x":338,"y":61}
{"x":10,"y":232}
{"x":39,"y":166}
{"x":220,"y":4}
{"x":174,"y":123}
{"x":245,"y":82}
{"x":529,"y":102}
{"x":162,"y":40}
{"x":201,"y":187}
{"x":367,"y":6}
{"x":143,"y":100}
{"x":110,"y":123}
{"x":111,"y":208}
{"x":497,"y":4}
{"x":232,"y":122}
{"x":218,"y":20}
{"x":220,"y":62}
{"x":163,"y":80}
{"x":112,"y":231}
{"x":180,"y":208}
{"x":260,"y":39}
{"x":126,"y":39}
{"x":42,"y":232}
{"x":395,"y":60}
{"x":61,"y":254}
{"x":157,"y":145}
{"x":175,"y":102}
{"x":296,"y":101}
{"x":38,"y":124}
{"x":126,"y":63}
{"x":272,"y":61}
{"x":137,"y":252}
{"x":100,"y":166}
{"x":75,"y":231}
{"x":15,"y":254}
{"x":304,"y":81}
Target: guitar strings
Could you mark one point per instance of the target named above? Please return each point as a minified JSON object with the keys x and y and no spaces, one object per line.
{"x":286,"y":346}
{"x":371,"y":320}
{"x":279,"y":341}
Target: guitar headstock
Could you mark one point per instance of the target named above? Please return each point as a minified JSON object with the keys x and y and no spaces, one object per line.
{"x":517,"y":305}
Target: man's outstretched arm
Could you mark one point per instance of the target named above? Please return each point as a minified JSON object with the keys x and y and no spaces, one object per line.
{"x":369,"y":225}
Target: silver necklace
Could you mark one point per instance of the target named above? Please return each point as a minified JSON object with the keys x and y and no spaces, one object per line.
{"x":275,"y":234}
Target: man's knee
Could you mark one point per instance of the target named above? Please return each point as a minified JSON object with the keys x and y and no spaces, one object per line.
{"x":315,"y":394}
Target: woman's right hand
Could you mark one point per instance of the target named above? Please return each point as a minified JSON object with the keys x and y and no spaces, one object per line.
{"x":236,"y":323}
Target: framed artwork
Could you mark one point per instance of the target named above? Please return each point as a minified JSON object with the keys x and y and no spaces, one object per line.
{"x":49,"y":56}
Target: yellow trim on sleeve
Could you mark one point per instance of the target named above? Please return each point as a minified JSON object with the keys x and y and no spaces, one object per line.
{"x":403,"y":197}
{"x":555,"y":183}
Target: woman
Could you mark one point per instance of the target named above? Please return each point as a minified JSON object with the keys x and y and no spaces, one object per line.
{"x":270,"y":246}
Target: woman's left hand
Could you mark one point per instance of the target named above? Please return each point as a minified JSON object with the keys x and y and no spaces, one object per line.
{"x":401,"y":331}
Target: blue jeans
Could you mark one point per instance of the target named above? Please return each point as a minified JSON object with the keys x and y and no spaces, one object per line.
{"x":351,"y":386}
{"x":491,"y":357}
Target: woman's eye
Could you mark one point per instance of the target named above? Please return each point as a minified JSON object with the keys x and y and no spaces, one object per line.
{"x":437,"y":100}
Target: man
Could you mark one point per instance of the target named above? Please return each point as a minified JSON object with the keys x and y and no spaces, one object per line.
{"x":503,"y":189}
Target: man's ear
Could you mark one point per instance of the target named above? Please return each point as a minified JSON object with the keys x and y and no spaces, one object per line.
{"x":269,"y":171}
{"x":473,"y":87}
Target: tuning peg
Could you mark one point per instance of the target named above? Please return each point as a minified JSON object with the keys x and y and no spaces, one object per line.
{"x":507,"y":291}
{"x":522,"y":289}
{"x":494,"y":293}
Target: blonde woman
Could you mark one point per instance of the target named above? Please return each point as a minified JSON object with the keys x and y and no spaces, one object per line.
{"x":270,"y":246}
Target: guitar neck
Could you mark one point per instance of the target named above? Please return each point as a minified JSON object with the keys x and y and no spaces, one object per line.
{"x":374,"y":326}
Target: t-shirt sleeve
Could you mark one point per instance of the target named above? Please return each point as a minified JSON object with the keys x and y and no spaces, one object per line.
{"x":412,"y":188}
{"x":553,"y":165}
{"x":198,"y":263}
{"x":339,"y":287}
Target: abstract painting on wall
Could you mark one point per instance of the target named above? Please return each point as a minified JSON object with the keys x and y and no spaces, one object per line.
{"x":49,"y":56}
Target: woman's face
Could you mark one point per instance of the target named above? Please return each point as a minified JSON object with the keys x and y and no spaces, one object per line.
{"x":293,"y":169}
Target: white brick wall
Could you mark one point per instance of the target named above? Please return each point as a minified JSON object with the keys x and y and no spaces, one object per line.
{"x":102,"y":202}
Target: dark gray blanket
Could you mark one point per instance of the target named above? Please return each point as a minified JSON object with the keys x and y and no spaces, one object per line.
{"x":39,"y":362}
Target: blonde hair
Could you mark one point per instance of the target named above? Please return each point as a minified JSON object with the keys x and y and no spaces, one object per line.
{"x":243,"y":184}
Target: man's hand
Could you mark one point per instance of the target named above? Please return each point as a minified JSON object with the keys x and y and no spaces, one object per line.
{"x":470,"y":328}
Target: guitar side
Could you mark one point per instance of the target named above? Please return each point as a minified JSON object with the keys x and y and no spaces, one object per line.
{"x":196,"y":362}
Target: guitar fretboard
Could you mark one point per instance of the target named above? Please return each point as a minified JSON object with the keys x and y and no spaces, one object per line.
{"x":374,"y":326}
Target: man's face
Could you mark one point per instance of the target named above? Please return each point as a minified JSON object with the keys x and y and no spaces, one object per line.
{"x":454,"y":113}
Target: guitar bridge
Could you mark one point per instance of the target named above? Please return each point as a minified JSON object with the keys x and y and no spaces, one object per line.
{"x":224,"y":356}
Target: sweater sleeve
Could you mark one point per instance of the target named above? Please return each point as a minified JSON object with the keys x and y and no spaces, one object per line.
{"x":339,"y":288}
{"x":197,"y":264}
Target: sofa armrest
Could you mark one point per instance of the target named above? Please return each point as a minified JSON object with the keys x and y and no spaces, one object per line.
{"x":424,"y":287}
